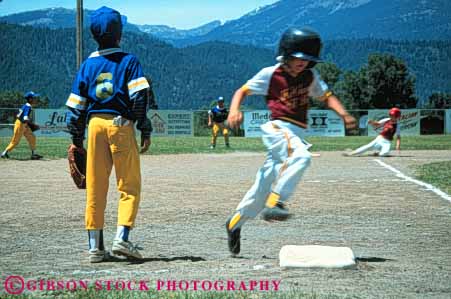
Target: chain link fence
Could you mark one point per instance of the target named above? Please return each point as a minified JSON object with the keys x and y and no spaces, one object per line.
{"x":432,"y":121}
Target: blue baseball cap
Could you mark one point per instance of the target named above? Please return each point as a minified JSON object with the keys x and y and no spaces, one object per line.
{"x":31,"y":94}
{"x":106,"y":23}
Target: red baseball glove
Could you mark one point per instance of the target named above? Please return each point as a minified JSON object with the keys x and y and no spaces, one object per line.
{"x":77,"y":165}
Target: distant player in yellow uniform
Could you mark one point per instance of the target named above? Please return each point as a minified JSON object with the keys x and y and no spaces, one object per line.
{"x":216,"y":120}
{"x":110,"y":93}
{"x":22,"y":127}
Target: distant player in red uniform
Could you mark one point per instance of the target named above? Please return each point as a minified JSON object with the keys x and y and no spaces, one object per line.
{"x":390,"y":127}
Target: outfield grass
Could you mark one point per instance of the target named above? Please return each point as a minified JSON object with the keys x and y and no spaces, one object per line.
{"x":56,"y":147}
{"x":438,"y":174}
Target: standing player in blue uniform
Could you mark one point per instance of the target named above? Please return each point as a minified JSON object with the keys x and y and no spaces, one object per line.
{"x":216,"y":120}
{"x":287,"y":87}
{"x":110,"y":93}
{"x":22,"y":127}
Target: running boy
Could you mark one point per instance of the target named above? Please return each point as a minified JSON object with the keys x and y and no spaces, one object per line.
{"x":287,"y":87}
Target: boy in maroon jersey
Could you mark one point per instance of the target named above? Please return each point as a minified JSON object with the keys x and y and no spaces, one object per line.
{"x":287,"y":87}
{"x":390,"y":127}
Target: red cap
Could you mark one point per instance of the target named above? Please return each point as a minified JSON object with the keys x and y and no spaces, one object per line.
{"x":395,"y":112}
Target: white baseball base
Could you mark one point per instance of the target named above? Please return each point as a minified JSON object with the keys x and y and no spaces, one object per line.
{"x":316,"y":256}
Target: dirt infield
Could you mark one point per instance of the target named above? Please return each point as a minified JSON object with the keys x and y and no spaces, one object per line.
{"x":403,"y":230}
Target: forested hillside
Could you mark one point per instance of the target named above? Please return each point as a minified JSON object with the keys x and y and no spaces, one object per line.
{"x":43,"y":60}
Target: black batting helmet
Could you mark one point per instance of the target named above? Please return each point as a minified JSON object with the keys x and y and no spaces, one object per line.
{"x":301,"y":43}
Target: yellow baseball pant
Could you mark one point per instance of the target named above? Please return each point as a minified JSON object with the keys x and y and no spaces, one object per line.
{"x":215,"y":132}
{"x":21,"y":129}
{"x":110,"y":145}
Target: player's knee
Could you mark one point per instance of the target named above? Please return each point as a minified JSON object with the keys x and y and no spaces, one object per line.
{"x":303,"y":156}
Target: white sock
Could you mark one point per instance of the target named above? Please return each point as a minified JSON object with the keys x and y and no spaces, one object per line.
{"x":95,"y":239}
{"x":122,"y":232}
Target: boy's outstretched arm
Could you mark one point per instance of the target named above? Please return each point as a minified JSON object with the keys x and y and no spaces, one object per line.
{"x":398,"y":143}
{"x":235,"y":117}
{"x":334,"y":104}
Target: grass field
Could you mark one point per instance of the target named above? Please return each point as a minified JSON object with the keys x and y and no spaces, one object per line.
{"x":437,"y":174}
{"x":55,"y":148}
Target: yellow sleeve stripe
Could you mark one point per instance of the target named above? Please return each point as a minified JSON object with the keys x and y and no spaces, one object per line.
{"x":246,"y":89}
{"x":76,"y":102}
{"x":137,"y":85}
{"x":326,"y":95}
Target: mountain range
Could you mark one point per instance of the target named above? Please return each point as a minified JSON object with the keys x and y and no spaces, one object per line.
{"x":191,"y":67}
{"x":334,"y":19}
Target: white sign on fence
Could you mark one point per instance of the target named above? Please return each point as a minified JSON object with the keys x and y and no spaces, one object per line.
{"x":253,"y":120}
{"x":52,"y":122}
{"x":410,"y":121}
{"x":321,"y":123}
{"x":171,"y":122}
{"x":324,"y":123}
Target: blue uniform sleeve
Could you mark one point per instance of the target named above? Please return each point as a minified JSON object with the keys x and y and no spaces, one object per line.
{"x":26,"y":113}
{"x":139,"y":92}
{"x":76,"y":114}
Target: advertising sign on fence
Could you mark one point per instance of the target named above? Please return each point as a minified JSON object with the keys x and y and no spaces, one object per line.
{"x":52,"y":122}
{"x":324,"y":123}
{"x":171,"y":122}
{"x":321,"y":123}
{"x":253,"y":120}
{"x":448,"y":121}
{"x":410,"y":121}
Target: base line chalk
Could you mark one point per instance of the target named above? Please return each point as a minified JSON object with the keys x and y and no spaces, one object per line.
{"x":418,"y":182}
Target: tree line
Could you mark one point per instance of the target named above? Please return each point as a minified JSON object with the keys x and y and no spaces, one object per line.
{"x":363,"y":73}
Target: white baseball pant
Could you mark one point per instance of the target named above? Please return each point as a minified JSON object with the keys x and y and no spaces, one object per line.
{"x":286,"y":161}
{"x":379,"y":143}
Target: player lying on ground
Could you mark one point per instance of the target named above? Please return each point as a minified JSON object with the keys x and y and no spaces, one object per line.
{"x":382,"y":143}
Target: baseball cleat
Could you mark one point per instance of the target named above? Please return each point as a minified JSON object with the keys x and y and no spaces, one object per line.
{"x":5,"y":156}
{"x":276,"y":213}
{"x":97,"y":255}
{"x":233,"y":239}
{"x":126,"y":248}
{"x":36,"y":157}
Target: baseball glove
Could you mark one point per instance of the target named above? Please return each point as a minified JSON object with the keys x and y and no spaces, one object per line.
{"x":33,"y":127}
{"x":77,"y":165}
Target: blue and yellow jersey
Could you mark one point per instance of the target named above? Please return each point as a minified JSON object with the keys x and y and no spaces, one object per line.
{"x":110,"y":81}
{"x":106,"y":83}
{"x":218,"y":115}
{"x":24,"y":113}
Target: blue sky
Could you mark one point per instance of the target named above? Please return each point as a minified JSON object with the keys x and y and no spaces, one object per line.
{"x":182,"y":14}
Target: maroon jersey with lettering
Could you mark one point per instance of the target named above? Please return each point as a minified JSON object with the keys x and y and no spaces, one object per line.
{"x":390,"y":128}
{"x":287,"y":96}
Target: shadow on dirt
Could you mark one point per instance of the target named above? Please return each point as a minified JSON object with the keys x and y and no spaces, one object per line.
{"x":371,"y":259}
{"x":119,"y":259}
